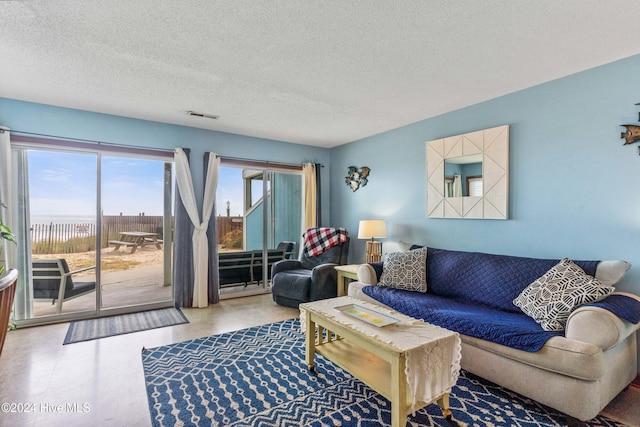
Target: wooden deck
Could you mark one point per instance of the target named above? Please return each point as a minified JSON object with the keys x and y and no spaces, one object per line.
{"x":120,"y":288}
{"x":131,"y":287}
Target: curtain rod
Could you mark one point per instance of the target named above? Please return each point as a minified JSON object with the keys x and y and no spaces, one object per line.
{"x":91,"y":141}
{"x":113,"y":144}
{"x":264,"y":162}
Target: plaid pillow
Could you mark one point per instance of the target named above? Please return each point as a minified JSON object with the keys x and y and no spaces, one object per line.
{"x":405,"y":270}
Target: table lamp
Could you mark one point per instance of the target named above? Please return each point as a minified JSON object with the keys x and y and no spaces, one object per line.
{"x":372,"y":228}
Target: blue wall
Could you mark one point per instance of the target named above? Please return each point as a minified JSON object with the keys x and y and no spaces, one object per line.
{"x":572,"y":183}
{"x":50,"y":120}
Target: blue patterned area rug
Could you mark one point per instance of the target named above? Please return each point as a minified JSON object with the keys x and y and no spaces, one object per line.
{"x":102,"y":327}
{"x":257,"y":377}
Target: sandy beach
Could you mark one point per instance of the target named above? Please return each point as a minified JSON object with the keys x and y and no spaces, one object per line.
{"x":112,"y":260}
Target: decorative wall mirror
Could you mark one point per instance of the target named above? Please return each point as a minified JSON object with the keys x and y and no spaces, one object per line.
{"x":468,"y":175}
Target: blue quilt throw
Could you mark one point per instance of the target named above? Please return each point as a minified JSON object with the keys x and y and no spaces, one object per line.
{"x":516,"y":330}
{"x":622,"y":306}
{"x":472,"y":293}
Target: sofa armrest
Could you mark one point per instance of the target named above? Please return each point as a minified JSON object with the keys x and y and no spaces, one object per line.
{"x":355,"y":291}
{"x":598,"y":326}
{"x":367,"y":274}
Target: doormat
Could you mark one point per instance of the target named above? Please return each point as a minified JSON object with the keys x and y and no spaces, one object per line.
{"x":91,"y":329}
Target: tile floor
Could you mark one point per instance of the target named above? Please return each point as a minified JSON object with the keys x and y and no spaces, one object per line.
{"x":102,"y":380}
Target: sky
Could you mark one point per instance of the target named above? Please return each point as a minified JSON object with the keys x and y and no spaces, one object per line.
{"x":229,"y":189}
{"x":64,"y":184}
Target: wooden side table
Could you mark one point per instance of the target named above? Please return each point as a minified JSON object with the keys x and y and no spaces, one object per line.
{"x":346,"y":272}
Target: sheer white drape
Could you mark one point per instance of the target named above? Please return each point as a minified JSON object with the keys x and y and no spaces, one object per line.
{"x":199,"y":238}
{"x":21,"y":227}
{"x":310,"y":196}
{"x":5,"y":192}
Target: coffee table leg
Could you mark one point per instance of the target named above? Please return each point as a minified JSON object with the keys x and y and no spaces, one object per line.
{"x":443,"y":403}
{"x":398,"y":392}
{"x":310,"y":343}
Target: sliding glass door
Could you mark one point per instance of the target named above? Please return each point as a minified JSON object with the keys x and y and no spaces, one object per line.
{"x":135,"y":200}
{"x":96,"y":233}
{"x":61,"y":197}
{"x":261,"y":223}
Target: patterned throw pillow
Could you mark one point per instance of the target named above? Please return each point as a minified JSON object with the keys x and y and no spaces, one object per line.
{"x":405,"y":270}
{"x":550,"y":299}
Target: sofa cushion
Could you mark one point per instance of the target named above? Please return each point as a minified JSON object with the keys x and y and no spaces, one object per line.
{"x":494,"y":280}
{"x":550,"y":299}
{"x":405,"y":270}
{"x":466,"y":317}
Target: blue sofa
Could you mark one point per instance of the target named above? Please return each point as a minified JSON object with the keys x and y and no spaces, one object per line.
{"x":577,"y":371}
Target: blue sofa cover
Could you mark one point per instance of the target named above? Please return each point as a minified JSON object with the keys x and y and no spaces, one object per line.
{"x":472,"y":293}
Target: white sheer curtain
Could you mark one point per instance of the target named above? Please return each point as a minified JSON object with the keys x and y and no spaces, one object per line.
{"x":21,"y":227}
{"x":310,"y":196}
{"x":199,"y":239}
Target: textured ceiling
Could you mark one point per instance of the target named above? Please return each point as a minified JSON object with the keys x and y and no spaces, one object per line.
{"x":306,"y":71}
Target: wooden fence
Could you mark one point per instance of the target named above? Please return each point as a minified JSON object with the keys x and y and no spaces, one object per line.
{"x":228,"y":224}
{"x":72,"y":238}
{"x":113,"y":225}
{"x":62,"y":238}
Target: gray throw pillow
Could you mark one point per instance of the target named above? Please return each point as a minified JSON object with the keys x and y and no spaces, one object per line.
{"x":405,"y":270}
{"x":550,"y":299}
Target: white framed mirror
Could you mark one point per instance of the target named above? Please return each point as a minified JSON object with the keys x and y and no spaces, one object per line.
{"x":468,"y":175}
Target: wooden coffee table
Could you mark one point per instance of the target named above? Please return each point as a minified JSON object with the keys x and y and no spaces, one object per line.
{"x":353,"y":344}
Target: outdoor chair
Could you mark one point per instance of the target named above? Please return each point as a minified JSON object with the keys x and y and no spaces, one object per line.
{"x":53,"y":280}
{"x":308,"y":278}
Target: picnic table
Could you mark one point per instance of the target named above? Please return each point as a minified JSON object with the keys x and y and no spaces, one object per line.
{"x":134,"y":239}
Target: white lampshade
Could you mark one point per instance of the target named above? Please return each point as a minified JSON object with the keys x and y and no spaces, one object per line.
{"x":372,"y":228}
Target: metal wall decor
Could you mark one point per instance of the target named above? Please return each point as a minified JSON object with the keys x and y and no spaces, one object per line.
{"x":632,"y":133}
{"x":357,"y":178}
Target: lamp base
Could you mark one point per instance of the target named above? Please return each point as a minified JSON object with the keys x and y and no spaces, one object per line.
{"x":373,"y":252}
